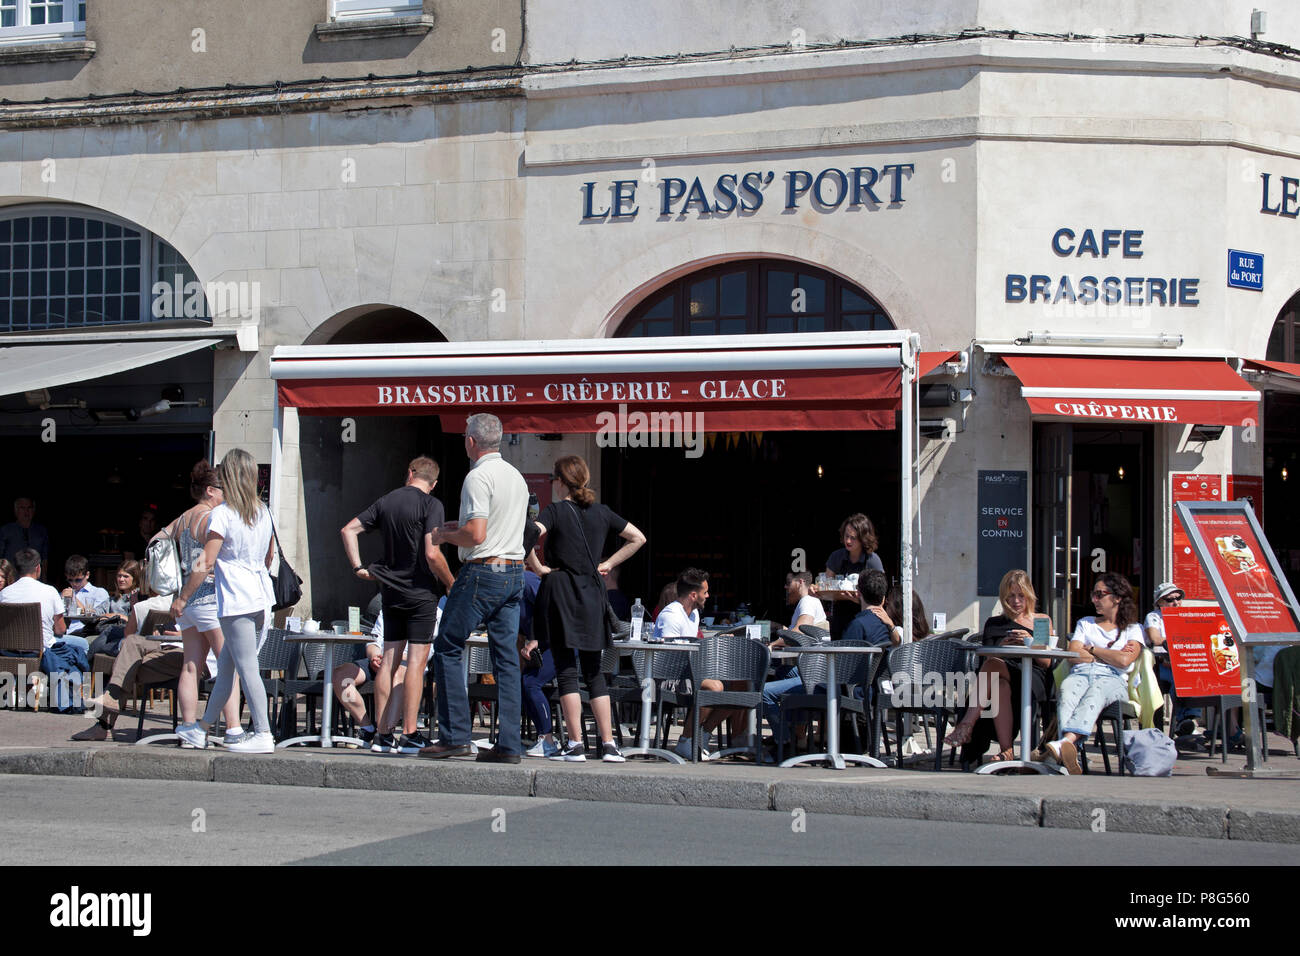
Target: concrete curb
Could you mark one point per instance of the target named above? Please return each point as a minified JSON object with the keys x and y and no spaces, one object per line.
{"x":860,"y":796}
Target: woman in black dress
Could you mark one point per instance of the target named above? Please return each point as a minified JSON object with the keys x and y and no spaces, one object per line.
{"x":569,"y":615}
{"x":858,"y":536}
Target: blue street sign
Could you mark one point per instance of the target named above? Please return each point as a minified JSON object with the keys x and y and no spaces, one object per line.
{"x":1245,"y":270}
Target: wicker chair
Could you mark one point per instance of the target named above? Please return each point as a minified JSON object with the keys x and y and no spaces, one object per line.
{"x":20,"y":633}
{"x":857,"y":670}
{"x":912,"y":668}
{"x":729,"y":658}
{"x":276,"y":660}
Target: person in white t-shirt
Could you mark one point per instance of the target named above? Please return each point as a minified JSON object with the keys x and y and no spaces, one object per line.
{"x":239,"y":548}
{"x":1108,"y":645}
{"x":807,"y":610}
{"x":29,"y":589}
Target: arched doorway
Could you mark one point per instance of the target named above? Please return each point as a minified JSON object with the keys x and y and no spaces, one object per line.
{"x":1282,"y":447}
{"x":783,"y":494}
{"x":349,"y":462}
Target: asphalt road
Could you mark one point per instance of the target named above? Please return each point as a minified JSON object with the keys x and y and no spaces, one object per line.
{"x":148,"y":822}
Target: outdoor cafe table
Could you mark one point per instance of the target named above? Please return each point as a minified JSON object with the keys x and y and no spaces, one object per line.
{"x":643,"y":748}
{"x":327,"y":638}
{"x":1025,"y":655}
{"x":832,"y":649}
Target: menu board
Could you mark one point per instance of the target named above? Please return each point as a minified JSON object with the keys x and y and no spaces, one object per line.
{"x":1203,"y":653}
{"x":1187,"y":569}
{"x":1248,"y":583}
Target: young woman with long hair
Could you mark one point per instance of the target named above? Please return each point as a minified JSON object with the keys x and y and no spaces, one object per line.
{"x":569,"y":615}
{"x":238,"y":548}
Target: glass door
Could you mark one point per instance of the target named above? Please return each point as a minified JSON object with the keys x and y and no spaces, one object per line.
{"x":1056,"y":548}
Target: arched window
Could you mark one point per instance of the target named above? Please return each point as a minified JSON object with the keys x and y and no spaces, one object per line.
{"x":756,"y":296}
{"x":1282,"y":342}
{"x":65,"y":268}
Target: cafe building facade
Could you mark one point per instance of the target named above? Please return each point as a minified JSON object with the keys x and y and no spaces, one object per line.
{"x":1078,"y":240}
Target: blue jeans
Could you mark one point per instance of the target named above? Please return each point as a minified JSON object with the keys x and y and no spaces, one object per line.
{"x":1087,"y":691}
{"x":535,"y":700}
{"x":772,"y":692}
{"x":483,"y":594}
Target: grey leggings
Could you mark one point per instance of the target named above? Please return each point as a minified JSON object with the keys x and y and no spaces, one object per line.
{"x":239,"y":654}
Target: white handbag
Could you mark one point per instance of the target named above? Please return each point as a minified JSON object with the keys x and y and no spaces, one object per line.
{"x":163,"y":571}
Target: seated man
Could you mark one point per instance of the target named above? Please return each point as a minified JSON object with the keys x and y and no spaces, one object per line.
{"x":89,"y":598}
{"x":28,"y":589}
{"x":139,"y":660}
{"x":807,"y":610}
{"x":681,"y":618}
{"x":872,"y":623}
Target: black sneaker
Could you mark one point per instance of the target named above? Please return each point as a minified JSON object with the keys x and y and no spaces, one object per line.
{"x":365,"y":736}
{"x":413,"y":743}
{"x":610,"y":753}
{"x":384,"y":744}
{"x":573,"y":753}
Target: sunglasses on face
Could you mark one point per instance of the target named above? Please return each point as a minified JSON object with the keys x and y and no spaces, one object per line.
{"x":1096,"y":595}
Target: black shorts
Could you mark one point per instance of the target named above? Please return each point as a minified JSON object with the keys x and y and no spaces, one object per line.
{"x":410,"y":624}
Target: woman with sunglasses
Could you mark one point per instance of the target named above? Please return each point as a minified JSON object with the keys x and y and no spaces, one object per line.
{"x":1108,"y":645}
{"x":197,"y":618}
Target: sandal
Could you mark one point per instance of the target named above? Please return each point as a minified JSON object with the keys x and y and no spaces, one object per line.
{"x":1008,"y":754}
{"x":960,"y":735}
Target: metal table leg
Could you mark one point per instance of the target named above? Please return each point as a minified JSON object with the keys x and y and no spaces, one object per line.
{"x":327,"y":713}
{"x":1026,"y":717}
{"x":643,"y":748}
{"x":833,"y":755}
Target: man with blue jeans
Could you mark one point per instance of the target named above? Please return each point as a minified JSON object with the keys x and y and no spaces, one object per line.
{"x":488,"y":590}
{"x":807,"y":610}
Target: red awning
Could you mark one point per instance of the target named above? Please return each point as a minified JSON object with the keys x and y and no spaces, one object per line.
{"x":1285,"y":368}
{"x":927,"y":362}
{"x":1105,"y":388}
{"x":832,"y":384}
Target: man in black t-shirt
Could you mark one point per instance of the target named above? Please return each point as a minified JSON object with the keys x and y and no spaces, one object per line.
{"x":412,"y":575}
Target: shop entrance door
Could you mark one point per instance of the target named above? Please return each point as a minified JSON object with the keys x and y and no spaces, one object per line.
{"x":1055,"y":547}
{"x":1093,"y":512}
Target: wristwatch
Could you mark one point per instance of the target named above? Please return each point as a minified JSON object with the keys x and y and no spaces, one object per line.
{"x":359,"y":567}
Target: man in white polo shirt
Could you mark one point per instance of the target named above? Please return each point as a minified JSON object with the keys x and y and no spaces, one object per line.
{"x":488,"y":590}
{"x":29,"y":589}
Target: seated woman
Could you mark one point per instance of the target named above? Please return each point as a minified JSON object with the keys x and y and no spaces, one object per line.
{"x":1108,"y":646}
{"x":998,"y":689}
{"x":128,"y":585}
{"x":348,"y":677}
{"x":894,"y":608}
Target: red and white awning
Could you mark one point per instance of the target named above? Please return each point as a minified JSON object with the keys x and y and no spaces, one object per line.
{"x":829,"y":381}
{"x":1137,"y":390}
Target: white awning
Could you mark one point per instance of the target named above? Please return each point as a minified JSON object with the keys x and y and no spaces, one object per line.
{"x":25,"y":368}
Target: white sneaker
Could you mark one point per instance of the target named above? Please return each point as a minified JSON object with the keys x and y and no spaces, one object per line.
{"x":235,"y":736}
{"x":193,"y":736}
{"x":543,"y":748}
{"x":683,"y":749}
{"x":262,"y":743}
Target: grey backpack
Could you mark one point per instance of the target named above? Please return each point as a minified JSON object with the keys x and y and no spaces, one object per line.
{"x":1149,"y":753}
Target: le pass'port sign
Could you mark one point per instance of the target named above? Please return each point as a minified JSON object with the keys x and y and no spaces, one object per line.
{"x":1245,"y":270}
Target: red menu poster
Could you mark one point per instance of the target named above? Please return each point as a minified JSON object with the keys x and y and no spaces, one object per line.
{"x":1187,"y":570}
{"x":1203,"y":654}
{"x":1242,"y":562}
{"x":1247,"y":488}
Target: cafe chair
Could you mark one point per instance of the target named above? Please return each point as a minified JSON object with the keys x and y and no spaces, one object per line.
{"x":815,"y":632}
{"x":922,"y":677}
{"x":670,"y":673}
{"x":853,"y":672}
{"x":20,"y":633}
{"x":276,"y":660}
{"x":479,"y":662}
{"x":725,"y":658}
{"x":157,"y":623}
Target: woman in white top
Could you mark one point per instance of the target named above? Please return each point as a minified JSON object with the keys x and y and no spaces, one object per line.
{"x":197,"y":617}
{"x":239,"y":547}
{"x":1108,"y":646}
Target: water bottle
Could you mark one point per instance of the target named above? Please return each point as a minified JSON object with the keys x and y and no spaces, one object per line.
{"x":638,"y":618}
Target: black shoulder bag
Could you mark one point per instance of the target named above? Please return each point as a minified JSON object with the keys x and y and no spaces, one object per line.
{"x":613,"y":624}
{"x":285,"y":586}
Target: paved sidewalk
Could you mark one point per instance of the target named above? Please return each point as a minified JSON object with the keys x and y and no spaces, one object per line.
{"x":1188,"y":804}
